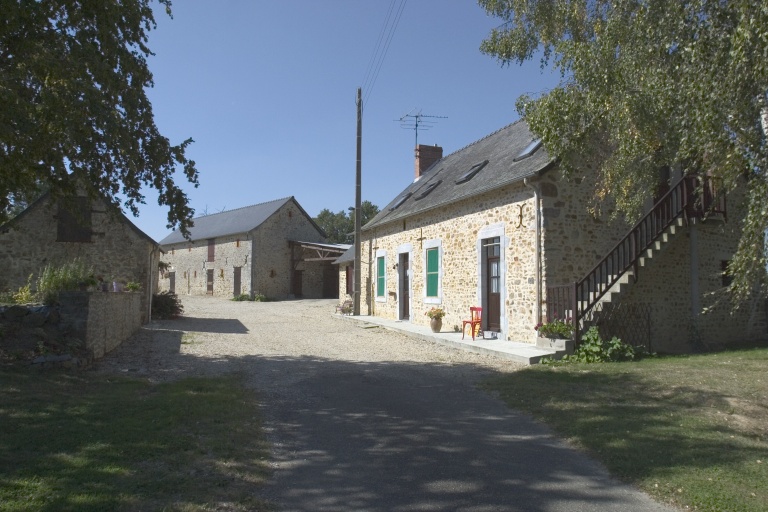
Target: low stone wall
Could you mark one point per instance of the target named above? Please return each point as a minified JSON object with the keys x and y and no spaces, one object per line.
{"x":83,"y":327}
{"x":102,"y":320}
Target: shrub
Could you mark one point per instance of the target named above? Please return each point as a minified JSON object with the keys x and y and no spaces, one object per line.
{"x":68,"y":276}
{"x":133,"y":286}
{"x":556,"y":329}
{"x":594,"y":349}
{"x":166,"y":305}
{"x":24,"y":295}
{"x":242,"y":297}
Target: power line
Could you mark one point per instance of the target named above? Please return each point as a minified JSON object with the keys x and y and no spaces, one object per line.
{"x":382,"y":46}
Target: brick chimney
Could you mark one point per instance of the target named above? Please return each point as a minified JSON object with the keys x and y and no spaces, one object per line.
{"x":425,"y":157}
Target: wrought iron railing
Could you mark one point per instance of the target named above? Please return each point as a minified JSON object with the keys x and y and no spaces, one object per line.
{"x":692,"y":197}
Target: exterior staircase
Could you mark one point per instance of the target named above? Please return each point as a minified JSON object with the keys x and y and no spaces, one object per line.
{"x":693,"y":197}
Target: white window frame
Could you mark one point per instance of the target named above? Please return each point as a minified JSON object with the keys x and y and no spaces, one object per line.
{"x":433,"y":244}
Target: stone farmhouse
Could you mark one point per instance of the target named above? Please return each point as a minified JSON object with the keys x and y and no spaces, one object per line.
{"x":50,"y":232}
{"x":495,"y":225}
{"x":274,"y":249}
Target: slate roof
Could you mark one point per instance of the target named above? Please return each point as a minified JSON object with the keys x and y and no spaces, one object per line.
{"x":347,"y":257}
{"x":500,"y":149}
{"x":232,"y":222}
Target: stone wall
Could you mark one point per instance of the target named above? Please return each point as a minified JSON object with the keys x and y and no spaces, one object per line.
{"x":263,"y":255}
{"x":117,"y":249}
{"x":102,"y":320}
{"x":84,"y":326}
{"x":683,"y":284}
{"x":458,"y":231}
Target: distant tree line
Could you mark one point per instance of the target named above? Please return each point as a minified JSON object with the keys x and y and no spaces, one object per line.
{"x":340,"y":227}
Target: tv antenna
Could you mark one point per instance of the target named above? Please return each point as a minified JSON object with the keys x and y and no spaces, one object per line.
{"x":411,"y":121}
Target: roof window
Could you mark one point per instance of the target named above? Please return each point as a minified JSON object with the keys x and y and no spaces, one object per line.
{"x":429,"y":188}
{"x":471,"y":172}
{"x":529,"y":150}
{"x":400,"y":202}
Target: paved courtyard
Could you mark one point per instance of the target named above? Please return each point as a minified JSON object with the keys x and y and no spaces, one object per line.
{"x":362,"y":418}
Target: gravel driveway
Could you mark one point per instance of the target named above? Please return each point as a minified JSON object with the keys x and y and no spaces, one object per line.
{"x":366,"y":419}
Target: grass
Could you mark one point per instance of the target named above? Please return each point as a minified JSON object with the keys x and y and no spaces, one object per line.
{"x":90,"y":443}
{"x":691,"y":430}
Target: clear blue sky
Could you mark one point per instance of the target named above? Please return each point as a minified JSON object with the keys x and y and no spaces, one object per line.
{"x":267,"y":91}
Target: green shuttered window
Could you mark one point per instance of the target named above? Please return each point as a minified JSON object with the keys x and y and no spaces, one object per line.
{"x":433,"y":271}
{"x":380,"y":276}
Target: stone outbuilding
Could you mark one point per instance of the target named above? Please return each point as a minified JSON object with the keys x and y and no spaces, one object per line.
{"x":272,"y":249}
{"x":496,"y":225}
{"x":55,"y":232}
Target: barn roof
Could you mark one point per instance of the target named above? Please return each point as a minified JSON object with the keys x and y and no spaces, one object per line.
{"x":232,"y":222}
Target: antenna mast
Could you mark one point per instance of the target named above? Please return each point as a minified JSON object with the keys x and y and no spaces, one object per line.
{"x":414,"y":121}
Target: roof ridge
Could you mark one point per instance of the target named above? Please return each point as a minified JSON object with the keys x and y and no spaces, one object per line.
{"x":483,"y":138}
{"x":244,"y":207}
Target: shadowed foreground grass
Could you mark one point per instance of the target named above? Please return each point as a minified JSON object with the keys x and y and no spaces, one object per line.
{"x":86,"y":442}
{"x":689,"y":430}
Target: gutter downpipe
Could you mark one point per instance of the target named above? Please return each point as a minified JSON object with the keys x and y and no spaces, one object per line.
{"x":537,"y":203}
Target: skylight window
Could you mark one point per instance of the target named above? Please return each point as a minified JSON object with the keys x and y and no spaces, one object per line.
{"x":471,"y":172}
{"x":529,"y":150}
{"x":429,"y":188}
{"x":400,"y":202}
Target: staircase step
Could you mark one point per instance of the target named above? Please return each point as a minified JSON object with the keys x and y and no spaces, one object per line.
{"x":561,"y":346}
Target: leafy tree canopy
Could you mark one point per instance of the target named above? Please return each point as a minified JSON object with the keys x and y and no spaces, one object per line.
{"x":646,"y":84}
{"x":73,"y":108}
{"x":340,"y":227}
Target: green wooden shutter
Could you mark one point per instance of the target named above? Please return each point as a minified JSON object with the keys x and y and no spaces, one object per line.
{"x":433,"y":271}
{"x":380,"y":275}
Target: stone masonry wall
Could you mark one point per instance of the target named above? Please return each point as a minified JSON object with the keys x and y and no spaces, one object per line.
{"x":102,"y":320}
{"x":262,"y":254}
{"x":459,"y":230}
{"x":574,"y":241}
{"x":116,"y":250}
{"x":272,"y":260}
{"x":189,"y":262}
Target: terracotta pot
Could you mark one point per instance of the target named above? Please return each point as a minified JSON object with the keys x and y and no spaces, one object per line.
{"x":436,"y":324}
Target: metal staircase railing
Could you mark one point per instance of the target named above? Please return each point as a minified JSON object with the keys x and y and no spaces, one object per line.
{"x":692,"y":197}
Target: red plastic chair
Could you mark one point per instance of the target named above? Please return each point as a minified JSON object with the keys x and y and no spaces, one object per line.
{"x":475,"y":322}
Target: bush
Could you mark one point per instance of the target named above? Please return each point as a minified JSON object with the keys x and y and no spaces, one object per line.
{"x":68,"y":276}
{"x":242,"y":297}
{"x":593,"y":349}
{"x":24,"y":295}
{"x":166,"y":305}
{"x":557,"y":328}
{"x":133,"y":286}
{"x":257,"y":297}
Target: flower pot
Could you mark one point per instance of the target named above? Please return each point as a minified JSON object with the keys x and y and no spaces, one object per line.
{"x":436,"y":324}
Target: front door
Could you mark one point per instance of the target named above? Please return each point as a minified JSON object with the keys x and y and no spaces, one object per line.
{"x":172,"y":284}
{"x":209,"y":282}
{"x":405,"y":287}
{"x":492,"y":250}
{"x":237,"y":278}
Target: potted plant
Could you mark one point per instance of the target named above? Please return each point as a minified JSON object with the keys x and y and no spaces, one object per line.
{"x":556,"y":329}
{"x":435,"y":318}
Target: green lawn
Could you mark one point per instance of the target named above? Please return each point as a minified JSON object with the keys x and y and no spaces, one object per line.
{"x":83,"y":442}
{"x":689,"y":430}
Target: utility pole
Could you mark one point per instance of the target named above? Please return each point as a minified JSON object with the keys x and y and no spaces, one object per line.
{"x":358,"y":203}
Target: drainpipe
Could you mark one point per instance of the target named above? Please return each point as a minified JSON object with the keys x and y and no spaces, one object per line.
{"x":537,"y":206}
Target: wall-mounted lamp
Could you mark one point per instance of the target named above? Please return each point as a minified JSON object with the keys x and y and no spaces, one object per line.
{"x":394,"y":267}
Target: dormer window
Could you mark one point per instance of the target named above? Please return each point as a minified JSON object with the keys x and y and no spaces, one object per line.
{"x":429,"y":188}
{"x":529,"y":150}
{"x":471,"y":172}
{"x":400,"y":201}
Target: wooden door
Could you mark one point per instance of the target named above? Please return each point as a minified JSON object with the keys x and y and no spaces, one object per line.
{"x":493,"y":284}
{"x":297,"y":285}
{"x":236,"y":285}
{"x":209,"y":282}
{"x":172,"y":285}
{"x":405,"y":287}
